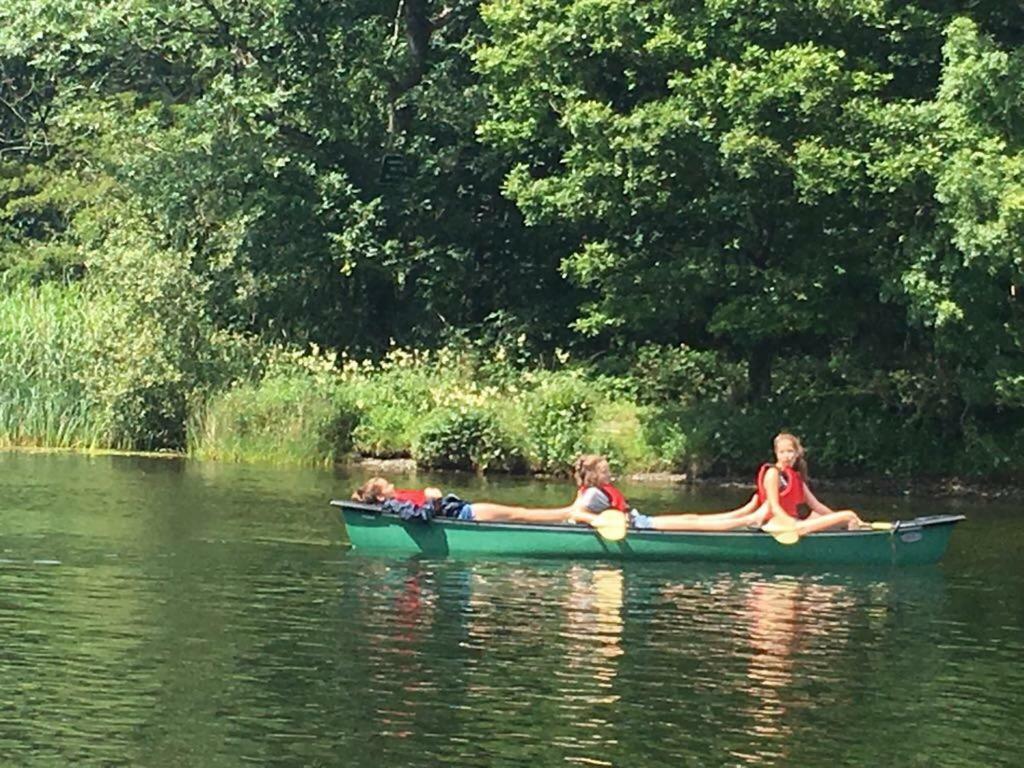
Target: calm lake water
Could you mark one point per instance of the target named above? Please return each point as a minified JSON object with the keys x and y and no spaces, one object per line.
{"x":160,"y":612}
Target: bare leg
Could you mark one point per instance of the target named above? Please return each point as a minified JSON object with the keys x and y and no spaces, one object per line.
{"x":741,"y":513}
{"x":845,"y":518}
{"x":494,"y":513}
{"x":735,"y":514}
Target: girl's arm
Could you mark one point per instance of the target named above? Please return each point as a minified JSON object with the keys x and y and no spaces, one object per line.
{"x":746,"y":509}
{"x":588,"y":505}
{"x":814,"y":504}
{"x":579,"y":510}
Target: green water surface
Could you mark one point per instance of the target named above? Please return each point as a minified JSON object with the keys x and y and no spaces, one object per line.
{"x":162,"y":612}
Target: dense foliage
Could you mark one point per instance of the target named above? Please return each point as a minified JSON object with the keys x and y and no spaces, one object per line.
{"x":447,"y":409}
{"x":736,"y":216}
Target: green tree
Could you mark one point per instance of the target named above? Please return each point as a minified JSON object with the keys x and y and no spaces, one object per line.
{"x":253,"y":135}
{"x":715,"y":158}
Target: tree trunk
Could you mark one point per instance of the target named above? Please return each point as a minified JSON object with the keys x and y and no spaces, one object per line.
{"x":414,"y":18}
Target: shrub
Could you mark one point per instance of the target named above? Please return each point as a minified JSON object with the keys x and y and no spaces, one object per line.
{"x":665,"y":435}
{"x":558,"y":416}
{"x":396,"y":396}
{"x":465,"y":438}
{"x":720,"y":438}
{"x":618,"y":432}
{"x":391,"y":415}
{"x":157,"y":350}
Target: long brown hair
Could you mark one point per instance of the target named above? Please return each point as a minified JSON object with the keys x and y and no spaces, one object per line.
{"x":586,"y":470}
{"x":372,"y":491}
{"x":801,"y":462}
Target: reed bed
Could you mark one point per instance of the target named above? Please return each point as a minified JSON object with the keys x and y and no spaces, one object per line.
{"x":286,"y":420}
{"x":76,"y":372}
{"x":47,"y":336}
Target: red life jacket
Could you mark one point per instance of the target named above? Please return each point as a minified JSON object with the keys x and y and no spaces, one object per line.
{"x":790,"y":497}
{"x":419,"y":498}
{"x":614,"y":495}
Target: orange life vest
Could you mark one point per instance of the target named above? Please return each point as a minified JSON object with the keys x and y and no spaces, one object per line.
{"x":791,"y":496}
{"x":618,"y":501}
{"x":419,"y":498}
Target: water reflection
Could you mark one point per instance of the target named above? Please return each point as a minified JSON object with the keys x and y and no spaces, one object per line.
{"x":598,"y":658}
{"x":772,"y":613}
{"x":592,"y":635}
{"x":787,"y":620}
{"x":180,"y":616}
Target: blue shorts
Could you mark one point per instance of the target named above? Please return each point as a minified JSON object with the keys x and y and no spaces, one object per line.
{"x":636,"y":520}
{"x":466,"y":513}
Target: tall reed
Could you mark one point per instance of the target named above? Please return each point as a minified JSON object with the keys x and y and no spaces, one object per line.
{"x":297,"y":419}
{"x":45,"y":335}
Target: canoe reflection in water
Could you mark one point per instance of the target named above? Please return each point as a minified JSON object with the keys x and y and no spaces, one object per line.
{"x":569,"y":660}
{"x":406,"y":623}
{"x":763,"y":656}
{"x":516,"y":645}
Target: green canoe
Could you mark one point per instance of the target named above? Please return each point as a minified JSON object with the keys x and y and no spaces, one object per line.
{"x":909,"y":542}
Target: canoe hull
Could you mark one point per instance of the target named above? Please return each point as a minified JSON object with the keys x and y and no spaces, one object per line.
{"x":913,"y":542}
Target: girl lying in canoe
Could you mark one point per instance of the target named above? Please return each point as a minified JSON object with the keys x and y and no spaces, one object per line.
{"x":594,"y":495}
{"x":775,"y":505}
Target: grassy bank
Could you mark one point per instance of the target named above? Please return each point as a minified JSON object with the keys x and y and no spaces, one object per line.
{"x":677,"y":411}
{"x":445,"y":409}
{"x":86,"y":369}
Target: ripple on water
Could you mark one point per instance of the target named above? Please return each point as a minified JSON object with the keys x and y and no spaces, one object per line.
{"x":222,"y":634}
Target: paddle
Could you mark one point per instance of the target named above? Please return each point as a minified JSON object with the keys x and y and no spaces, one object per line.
{"x":781,"y":532}
{"x":610,"y":524}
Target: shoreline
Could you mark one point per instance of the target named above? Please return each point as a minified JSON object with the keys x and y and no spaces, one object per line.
{"x":164,"y":454}
{"x":943,"y":487}
{"x":950,"y":487}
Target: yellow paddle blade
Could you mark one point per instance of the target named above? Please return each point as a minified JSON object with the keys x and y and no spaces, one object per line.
{"x":611,"y":525}
{"x":781,"y":532}
{"x":786,"y":537}
{"x":881,"y":526}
